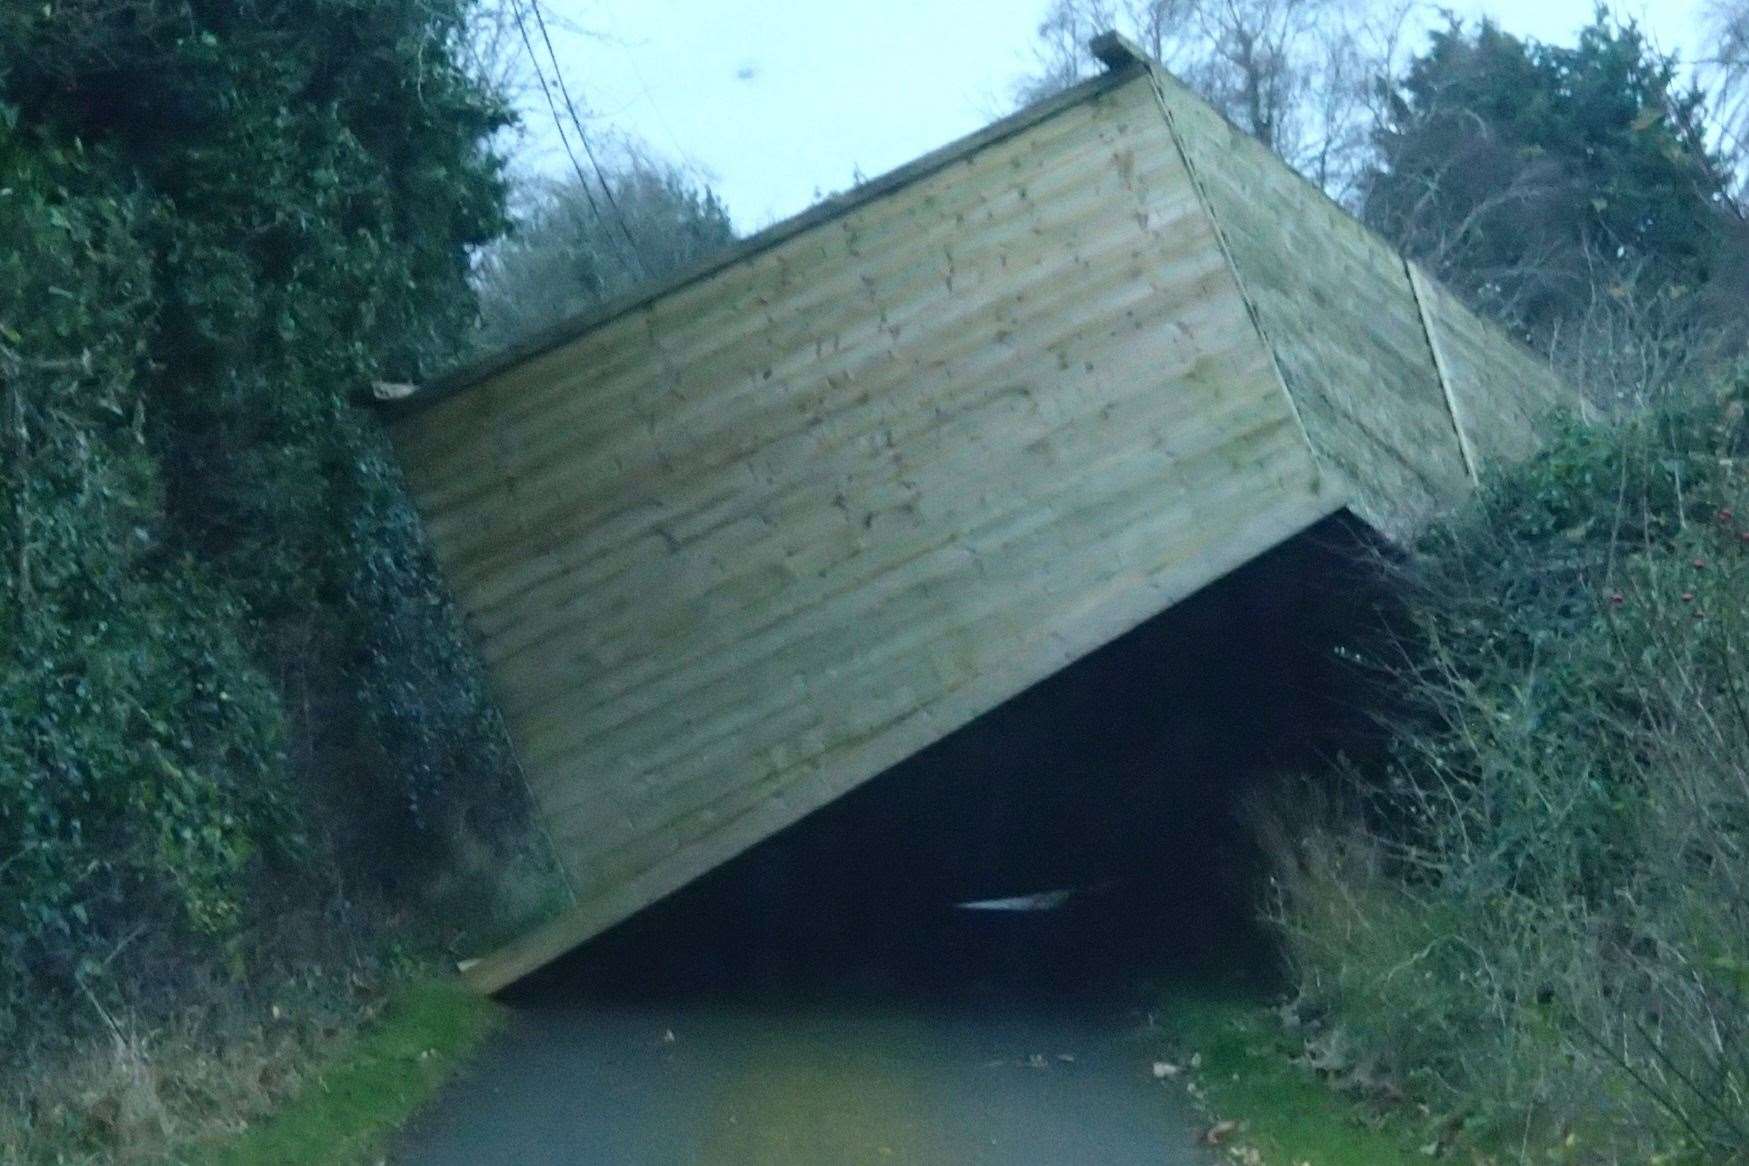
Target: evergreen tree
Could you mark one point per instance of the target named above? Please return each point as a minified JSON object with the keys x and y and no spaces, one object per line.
{"x":1535,"y":176}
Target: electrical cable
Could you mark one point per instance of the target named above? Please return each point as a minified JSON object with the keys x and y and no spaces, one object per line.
{"x":634,"y":268}
{"x":583,"y":137}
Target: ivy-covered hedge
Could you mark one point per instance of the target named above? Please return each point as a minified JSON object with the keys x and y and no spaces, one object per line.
{"x":139,"y":742}
{"x":226,"y":665}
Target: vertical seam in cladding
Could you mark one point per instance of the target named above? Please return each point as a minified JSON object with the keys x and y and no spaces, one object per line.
{"x":1441,"y":373}
{"x":1220,"y":233}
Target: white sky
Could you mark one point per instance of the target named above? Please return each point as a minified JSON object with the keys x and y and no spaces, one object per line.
{"x":774,"y":102}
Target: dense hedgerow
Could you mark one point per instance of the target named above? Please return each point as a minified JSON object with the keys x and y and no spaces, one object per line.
{"x":227,"y":674}
{"x":139,"y":741}
{"x":1543,"y":928}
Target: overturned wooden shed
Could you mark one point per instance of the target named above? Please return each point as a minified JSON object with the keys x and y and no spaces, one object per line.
{"x":742,"y":542}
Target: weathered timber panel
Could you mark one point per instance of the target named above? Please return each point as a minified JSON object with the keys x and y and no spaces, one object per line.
{"x":1500,"y":392}
{"x":740,"y":549}
{"x":1335,"y":302}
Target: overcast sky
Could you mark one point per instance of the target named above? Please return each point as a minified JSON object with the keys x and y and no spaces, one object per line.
{"x":774,"y":102}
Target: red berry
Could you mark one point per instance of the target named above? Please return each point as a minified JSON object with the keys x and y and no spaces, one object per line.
{"x":1618,"y":599}
{"x":1726,"y":515}
{"x":1688,"y":597}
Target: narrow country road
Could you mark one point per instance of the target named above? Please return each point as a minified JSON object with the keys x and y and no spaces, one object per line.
{"x":990,"y":1080}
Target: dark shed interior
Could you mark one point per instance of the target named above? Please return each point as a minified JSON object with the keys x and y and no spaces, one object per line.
{"x":1123,"y":778}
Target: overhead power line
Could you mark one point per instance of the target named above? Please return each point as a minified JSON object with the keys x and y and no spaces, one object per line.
{"x":635,"y":263}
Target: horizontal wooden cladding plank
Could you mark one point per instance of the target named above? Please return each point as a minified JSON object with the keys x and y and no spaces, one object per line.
{"x":892,"y":337}
{"x":834,"y":470}
{"x":828,"y":779}
{"x":833,"y":553}
{"x":962,"y":465}
{"x":634,"y":780}
{"x":749,"y":248}
{"x":732,"y":293}
{"x":830,"y":401}
{"x":881,"y":436}
{"x":1064,"y":538}
{"x":674,"y":365}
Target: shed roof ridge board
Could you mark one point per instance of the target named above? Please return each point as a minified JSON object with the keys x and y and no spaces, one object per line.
{"x":557,"y":335}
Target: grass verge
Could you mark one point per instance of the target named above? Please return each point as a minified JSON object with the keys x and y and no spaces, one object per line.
{"x":348,"y":1110}
{"x":1265,"y":1107}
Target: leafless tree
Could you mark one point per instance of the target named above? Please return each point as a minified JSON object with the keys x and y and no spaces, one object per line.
{"x":492,"y":48}
{"x":1061,"y":50}
{"x":1298,"y":75}
{"x":1630,"y":346}
{"x":502,"y":45}
{"x":1726,"y":68}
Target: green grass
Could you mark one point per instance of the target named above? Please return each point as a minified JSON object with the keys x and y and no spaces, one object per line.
{"x":1287,"y":1113}
{"x":350,"y":1109}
